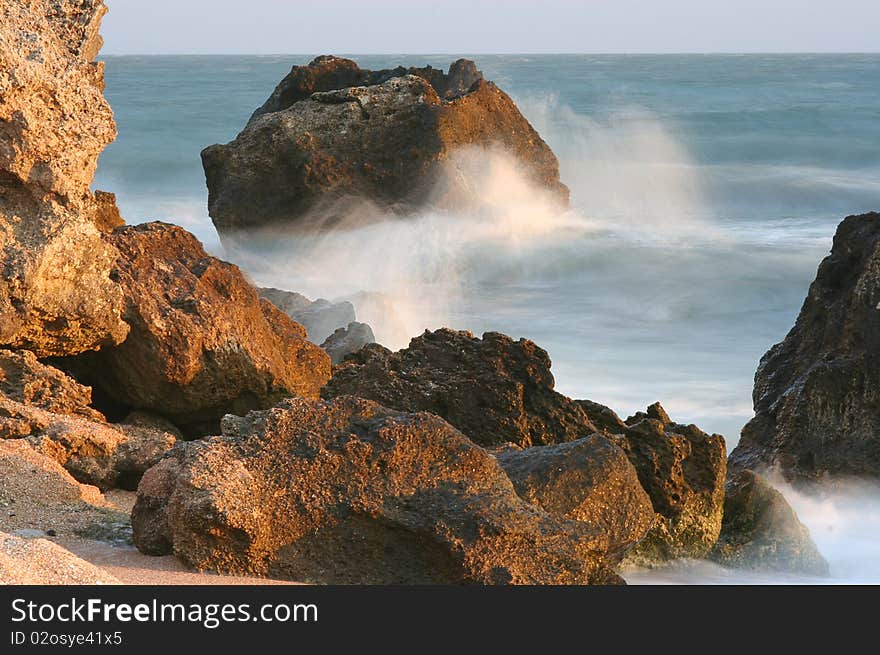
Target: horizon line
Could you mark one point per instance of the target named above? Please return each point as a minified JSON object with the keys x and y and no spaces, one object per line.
{"x":492,"y":54}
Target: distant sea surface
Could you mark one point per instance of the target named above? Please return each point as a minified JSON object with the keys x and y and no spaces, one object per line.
{"x":705,"y":191}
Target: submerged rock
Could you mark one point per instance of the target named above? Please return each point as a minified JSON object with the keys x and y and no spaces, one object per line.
{"x":495,"y":390}
{"x":348,"y":340}
{"x":333,"y":134}
{"x":761,"y":531}
{"x":683,"y":470}
{"x":817,"y":394}
{"x":347,"y":491}
{"x":589,"y":480}
{"x":202,"y":343}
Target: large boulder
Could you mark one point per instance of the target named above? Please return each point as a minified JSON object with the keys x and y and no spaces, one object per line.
{"x":761,"y":531}
{"x":332,"y":133}
{"x":817,"y":394}
{"x":202,"y":342}
{"x":683,"y":471}
{"x":495,"y":390}
{"x":589,"y":480}
{"x":347,"y":491}
{"x":56,"y":297}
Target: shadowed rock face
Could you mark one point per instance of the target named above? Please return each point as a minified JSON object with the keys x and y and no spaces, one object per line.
{"x":495,"y":390}
{"x":761,"y":531}
{"x":332,"y":133}
{"x":589,"y":480}
{"x":350,"y":492}
{"x":817,"y":394}
{"x":202,"y":342}
{"x":683,"y":470}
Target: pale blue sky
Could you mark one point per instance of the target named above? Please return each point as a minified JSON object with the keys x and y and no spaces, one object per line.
{"x":490,"y":26}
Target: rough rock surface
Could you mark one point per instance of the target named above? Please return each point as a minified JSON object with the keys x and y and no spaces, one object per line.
{"x":589,"y":480}
{"x":495,"y":390}
{"x":56,"y":297}
{"x":332,"y":132}
{"x":683,"y":470}
{"x":761,"y":531}
{"x":348,"y":340}
{"x":40,"y":562}
{"x":93,"y":452}
{"x":202,"y":343}
{"x":321,"y":318}
{"x":817,"y":394}
{"x":26,"y":380}
{"x":350,"y":492}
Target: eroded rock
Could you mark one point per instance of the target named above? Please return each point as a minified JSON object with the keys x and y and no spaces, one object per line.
{"x":761,"y":531}
{"x":495,"y":390}
{"x":333,"y":134}
{"x":817,"y":394}
{"x":683,"y":471}
{"x":348,"y":340}
{"x":589,"y":480}
{"x":347,"y":491}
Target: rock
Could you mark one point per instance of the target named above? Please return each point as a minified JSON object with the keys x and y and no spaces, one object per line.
{"x":589,"y":480}
{"x":25,"y":380}
{"x":333,"y":134}
{"x":93,"y":452}
{"x":495,"y":390}
{"x":348,"y":340}
{"x":321,"y":318}
{"x":202,"y":343}
{"x":54,"y":120}
{"x":347,"y":491}
{"x":56,"y":297}
{"x":41,"y":562}
{"x":761,"y":531}
{"x":817,"y":394}
{"x":604,"y":418}
{"x":683,"y":469}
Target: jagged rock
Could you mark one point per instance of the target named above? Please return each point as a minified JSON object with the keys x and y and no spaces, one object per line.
{"x":54,"y":120}
{"x":56,"y":297}
{"x":761,"y":531}
{"x":332,"y":134}
{"x":40,"y":562}
{"x":321,"y":318}
{"x":348,"y":340}
{"x":683,"y":470}
{"x":202,"y":343}
{"x":589,"y":480}
{"x":495,"y":390}
{"x":95,"y":453}
{"x":350,"y":492}
{"x":25,"y":380}
{"x":817,"y":394}
{"x":140,"y":418}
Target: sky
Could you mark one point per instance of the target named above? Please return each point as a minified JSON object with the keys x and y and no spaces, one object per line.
{"x":489,"y":26}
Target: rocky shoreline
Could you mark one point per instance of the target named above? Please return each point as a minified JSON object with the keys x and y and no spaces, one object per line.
{"x":151,"y":395}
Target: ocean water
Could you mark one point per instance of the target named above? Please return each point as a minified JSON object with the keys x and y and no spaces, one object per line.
{"x":705,"y":192}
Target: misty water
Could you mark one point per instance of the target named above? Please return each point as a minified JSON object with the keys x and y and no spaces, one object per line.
{"x":705,"y":191}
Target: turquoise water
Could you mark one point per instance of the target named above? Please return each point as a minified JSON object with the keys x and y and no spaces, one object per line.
{"x":706,"y":190}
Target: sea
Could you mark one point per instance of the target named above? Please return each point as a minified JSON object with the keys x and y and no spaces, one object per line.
{"x":705,"y":190}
